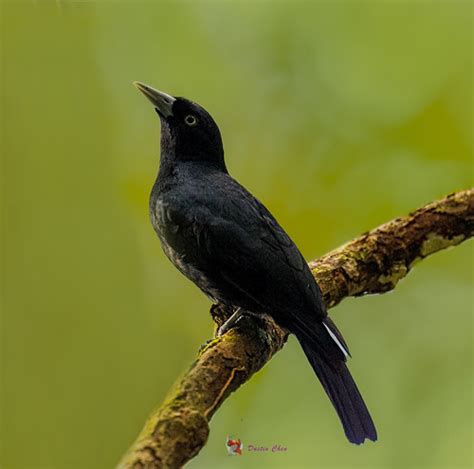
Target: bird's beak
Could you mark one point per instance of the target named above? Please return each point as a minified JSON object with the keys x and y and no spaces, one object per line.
{"x":163,"y":102}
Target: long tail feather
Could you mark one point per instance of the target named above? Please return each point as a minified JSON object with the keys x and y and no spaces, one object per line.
{"x":343,"y":393}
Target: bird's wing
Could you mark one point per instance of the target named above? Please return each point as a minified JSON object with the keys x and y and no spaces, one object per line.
{"x":254,"y":255}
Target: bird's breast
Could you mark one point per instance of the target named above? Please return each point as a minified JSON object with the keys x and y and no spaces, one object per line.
{"x":160,"y":217}
{"x":180,"y":247}
{"x":192,"y":272}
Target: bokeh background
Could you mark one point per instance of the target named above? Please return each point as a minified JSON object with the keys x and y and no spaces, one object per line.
{"x":338,"y":115}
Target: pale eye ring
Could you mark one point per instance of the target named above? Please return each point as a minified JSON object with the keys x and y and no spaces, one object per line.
{"x":190,"y":120}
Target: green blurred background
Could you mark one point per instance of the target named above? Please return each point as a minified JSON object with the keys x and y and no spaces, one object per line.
{"x":338,"y":115}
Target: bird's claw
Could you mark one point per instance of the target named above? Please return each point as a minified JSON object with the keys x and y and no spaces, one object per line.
{"x":230,"y":323}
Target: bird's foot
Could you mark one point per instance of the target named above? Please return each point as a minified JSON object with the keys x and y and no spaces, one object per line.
{"x":231,"y":322}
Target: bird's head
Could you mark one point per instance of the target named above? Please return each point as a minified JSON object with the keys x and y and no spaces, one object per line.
{"x":188,"y":132}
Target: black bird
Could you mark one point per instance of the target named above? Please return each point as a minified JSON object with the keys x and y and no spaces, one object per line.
{"x":223,"y":239}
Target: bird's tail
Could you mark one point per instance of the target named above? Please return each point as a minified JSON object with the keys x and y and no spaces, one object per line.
{"x":341,"y":388}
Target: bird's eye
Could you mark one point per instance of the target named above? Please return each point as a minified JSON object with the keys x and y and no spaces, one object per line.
{"x":190,"y":120}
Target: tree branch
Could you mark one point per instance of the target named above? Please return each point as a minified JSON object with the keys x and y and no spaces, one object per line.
{"x":372,"y":263}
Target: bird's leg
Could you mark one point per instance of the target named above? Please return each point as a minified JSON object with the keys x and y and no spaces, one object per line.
{"x":236,"y":315}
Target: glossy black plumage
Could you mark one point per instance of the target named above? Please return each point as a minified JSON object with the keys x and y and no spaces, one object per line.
{"x":224,"y":240}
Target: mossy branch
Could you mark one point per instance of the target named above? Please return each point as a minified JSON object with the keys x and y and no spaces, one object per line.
{"x":372,"y":263}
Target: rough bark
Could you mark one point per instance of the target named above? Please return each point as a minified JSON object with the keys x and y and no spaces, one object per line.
{"x":371,"y":263}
